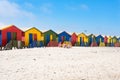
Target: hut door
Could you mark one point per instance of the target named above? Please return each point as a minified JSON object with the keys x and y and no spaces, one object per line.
{"x":8,"y":36}
{"x":62,"y":38}
{"x":0,"y":39}
{"x":80,"y":40}
{"x":83,"y":40}
{"x":47,"y":39}
{"x":35,"y":37}
{"x":91,"y":40}
{"x":100,"y":40}
{"x":51,"y":37}
{"x":14,"y":36}
{"x":65,"y":39}
{"x":30,"y":38}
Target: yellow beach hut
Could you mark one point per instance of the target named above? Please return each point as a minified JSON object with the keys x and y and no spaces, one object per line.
{"x":109,"y":41}
{"x":33,"y":34}
{"x":82,"y":39}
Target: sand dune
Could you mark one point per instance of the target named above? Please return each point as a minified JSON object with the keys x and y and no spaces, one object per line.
{"x":77,"y":63}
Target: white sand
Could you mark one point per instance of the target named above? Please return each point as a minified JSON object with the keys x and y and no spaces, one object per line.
{"x":77,"y":63}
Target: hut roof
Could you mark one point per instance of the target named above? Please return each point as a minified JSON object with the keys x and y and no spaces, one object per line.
{"x":51,"y":31}
{"x":74,"y":34}
{"x":105,"y":37}
{"x":33,"y":28}
{"x":82,"y":34}
{"x":64,"y":32}
{"x":99,"y":36}
{"x":11,"y":26}
{"x":109,"y":37}
{"x":114,"y":37}
{"x":91,"y":35}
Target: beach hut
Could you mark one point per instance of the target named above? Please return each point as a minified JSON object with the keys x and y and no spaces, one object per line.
{"x":105,"y":40}
{"x":93,"y":43}
{"x":114,"y":40}
{"x":64,"y":36}
{"x":99,"y":39}
{"x":32,"y":36}
{"x":9,"y":33}
{"x":49,"y":35}
{"x":73,"y":39}
{"x":119,"y":39}
{"x":0,"y":38}
{"x":90,"y":39}
{"x":109,"y":41}
{"x":82,"y":39}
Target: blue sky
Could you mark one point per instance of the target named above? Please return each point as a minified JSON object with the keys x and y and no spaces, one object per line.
{"x":89,"y":16}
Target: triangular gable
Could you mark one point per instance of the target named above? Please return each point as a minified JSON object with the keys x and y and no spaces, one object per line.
{"x":11,"y":26}
{"x":114,"y":37}
{"x":51,"y":31}
{"x":99,"y":36}
{"x":106,"y":37}
{"x":64,"y":32}
{"x":34,"y":28}
{"x":82,"y":34}
{"x":74,"y":34}
{"x":91,"y":35}
{"x":109,"y":37}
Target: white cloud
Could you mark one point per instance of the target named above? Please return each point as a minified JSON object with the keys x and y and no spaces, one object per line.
{"x":46,"y":8}
{"x":11,"y":9}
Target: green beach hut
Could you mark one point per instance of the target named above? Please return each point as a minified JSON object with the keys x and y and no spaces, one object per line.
{"x":114,"y":40}
{"x":49,"y":35}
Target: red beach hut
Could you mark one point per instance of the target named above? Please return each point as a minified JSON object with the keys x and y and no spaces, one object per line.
{"x":105,"y":40}
{"x":11,"y":32}
{"x":74,"y":39}
{"x":0,"y":39}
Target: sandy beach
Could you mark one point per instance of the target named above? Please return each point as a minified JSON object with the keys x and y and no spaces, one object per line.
{"x":76,"y":63}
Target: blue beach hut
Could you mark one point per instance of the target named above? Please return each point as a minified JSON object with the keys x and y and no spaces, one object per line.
{"x":119,"y":39}
{"x":64,"y":36}
{"x":99,"y":39}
